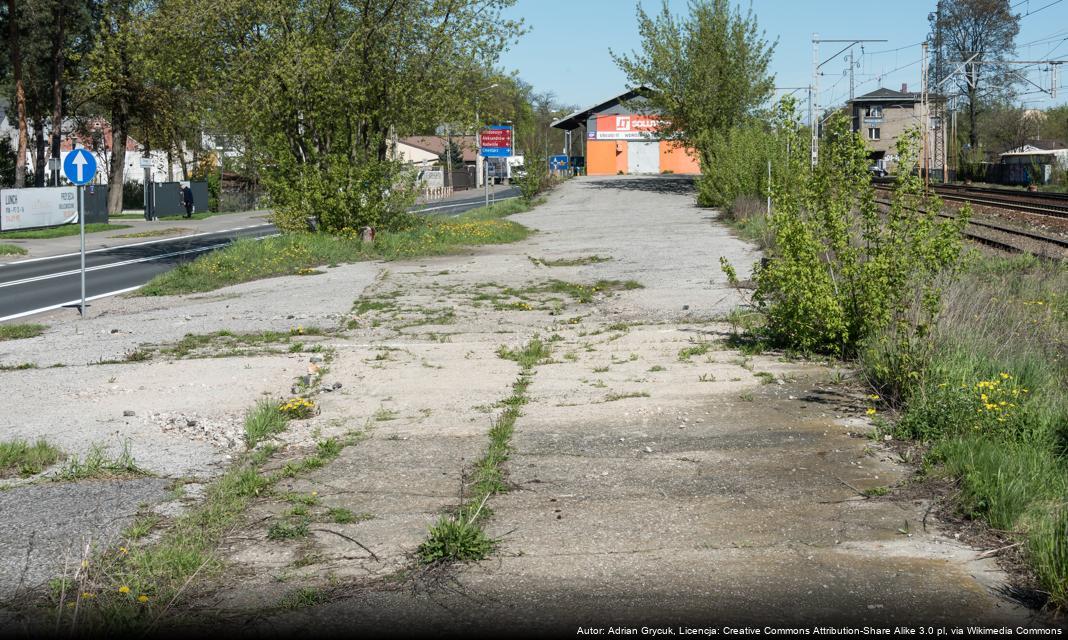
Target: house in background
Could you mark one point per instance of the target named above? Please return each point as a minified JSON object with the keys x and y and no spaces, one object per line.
{"x":884,"y":114}
{"x":1034,"y":162}
{"x":427,"y":150}
{"x":622,"y":135}
{"x":95,"y":136}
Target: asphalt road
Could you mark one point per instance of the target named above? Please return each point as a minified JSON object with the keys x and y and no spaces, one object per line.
{"x":43,"y":284}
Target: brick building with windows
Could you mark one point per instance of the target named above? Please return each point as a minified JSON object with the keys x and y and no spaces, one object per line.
{"x":884,"y":114}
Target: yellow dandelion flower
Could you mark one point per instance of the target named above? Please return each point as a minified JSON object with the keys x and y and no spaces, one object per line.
{"x":124,"y":589}
{"x":123,"y":550}
{"x":86,"y":595}
{"x":142,"y":598}
{"x":871,"y":411}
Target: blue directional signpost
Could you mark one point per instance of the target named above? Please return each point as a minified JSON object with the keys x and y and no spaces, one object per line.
{"x":494,"y":142}
{"x":80,"y":167}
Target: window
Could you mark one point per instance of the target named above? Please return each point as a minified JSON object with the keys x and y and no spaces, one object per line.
{"x":873,"y":133}
{"x":873,"y":112}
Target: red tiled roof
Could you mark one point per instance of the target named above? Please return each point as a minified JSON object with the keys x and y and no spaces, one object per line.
{"x":436,"y":144}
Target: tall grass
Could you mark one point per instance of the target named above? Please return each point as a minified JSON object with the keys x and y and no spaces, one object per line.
{"x":993,"y":402}
{"x":20,"y":457}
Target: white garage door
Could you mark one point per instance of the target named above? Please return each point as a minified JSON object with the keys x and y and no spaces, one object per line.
{"x":643,"y":157}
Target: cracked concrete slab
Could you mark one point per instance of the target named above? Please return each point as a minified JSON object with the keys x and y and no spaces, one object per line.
{"x":656,"y":476}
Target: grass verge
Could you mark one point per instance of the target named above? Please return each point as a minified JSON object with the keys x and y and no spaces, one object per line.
{"x":21,"y":458}
{"x":11,"y":250}
{"x":992,"y":401}
{"x":20,"y":331}
{"x":60,"y":232}
{"x":461,"y":536}
{"x":288,"y":254}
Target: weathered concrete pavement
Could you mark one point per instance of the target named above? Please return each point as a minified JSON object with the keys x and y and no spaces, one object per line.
{"x":647,"y":487}
{"x":657,"y":477}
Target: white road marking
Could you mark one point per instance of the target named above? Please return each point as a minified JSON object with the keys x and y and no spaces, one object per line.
{"x":111,"y":265}
{"x":68,"y":304}
{"x":136,"y":244}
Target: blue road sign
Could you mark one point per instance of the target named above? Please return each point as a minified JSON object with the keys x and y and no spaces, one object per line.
{"x":79,"y":166}
{"x":558,"y":163}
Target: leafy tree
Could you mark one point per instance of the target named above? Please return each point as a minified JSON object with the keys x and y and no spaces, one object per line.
{"x":14,"y":37}
{"x":707,"y":71}
{"x":53,"y":36}
{"x":452,"y":155}
{"x":982,"y":33}
{"x":117,"y":83}
{"x":7,"y":162}
{"x":317,"y":88}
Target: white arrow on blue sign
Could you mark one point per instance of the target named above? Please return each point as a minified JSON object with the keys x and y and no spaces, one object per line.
{"x":79,"y":166}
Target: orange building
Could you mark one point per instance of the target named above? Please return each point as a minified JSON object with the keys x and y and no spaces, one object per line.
{"x":621,"y":136}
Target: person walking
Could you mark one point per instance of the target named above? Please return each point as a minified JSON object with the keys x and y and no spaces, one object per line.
{"x":187,"y":201}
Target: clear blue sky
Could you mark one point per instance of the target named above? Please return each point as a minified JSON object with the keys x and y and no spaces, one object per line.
{"x":566,"y":48}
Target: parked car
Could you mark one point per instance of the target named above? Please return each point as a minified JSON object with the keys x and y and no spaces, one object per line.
{"x":878,"y":171}
{"x":519,"y":171}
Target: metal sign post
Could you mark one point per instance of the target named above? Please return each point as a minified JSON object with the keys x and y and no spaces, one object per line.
{"x":495,"y":142}
{"x":81,"y":225}
{"x":79,"y":167}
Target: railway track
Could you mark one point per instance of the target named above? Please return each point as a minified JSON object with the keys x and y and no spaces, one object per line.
{"x":1032,"y":202}
{"x":987,"y":233}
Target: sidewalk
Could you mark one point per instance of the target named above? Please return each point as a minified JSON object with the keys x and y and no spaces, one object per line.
{"x":467,"y":194}
{"x":139,"y":228}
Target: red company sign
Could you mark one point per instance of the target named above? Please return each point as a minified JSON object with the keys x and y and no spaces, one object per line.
{"x":627,"y":127}
{"x":496,"y":137}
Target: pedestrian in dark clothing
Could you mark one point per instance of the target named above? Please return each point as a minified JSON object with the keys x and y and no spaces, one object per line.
{"x":187,"y":201}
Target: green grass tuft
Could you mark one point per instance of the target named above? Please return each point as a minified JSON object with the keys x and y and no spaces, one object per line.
{"x":99,"y":463}
{"x":533,"y":353}
{"x":20,"y":331}
{"x":11,"y":250}
{"x":19,"y":457}
{"x":263,"y":421}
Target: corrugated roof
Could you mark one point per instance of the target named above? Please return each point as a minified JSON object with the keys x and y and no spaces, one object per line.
{"x":576,"y":118}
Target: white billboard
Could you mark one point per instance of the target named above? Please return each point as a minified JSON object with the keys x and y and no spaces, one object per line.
{"x":43,"y":207}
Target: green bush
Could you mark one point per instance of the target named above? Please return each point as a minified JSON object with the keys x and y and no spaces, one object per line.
{"x":343,"y":195}
{"x":737,"y":165}
{"x":536,"y":179}
{"x":842,"y":273}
